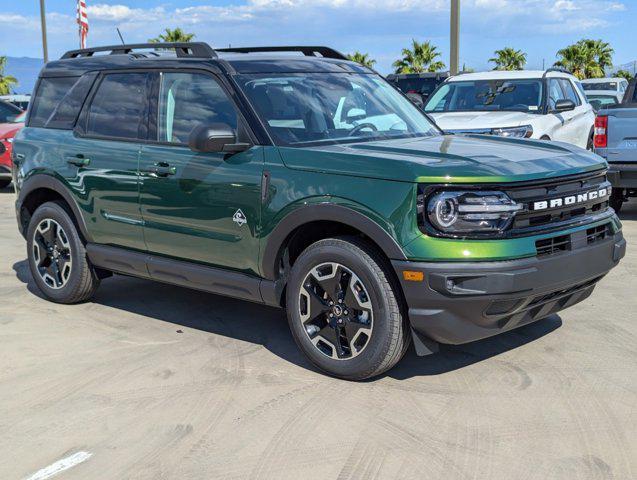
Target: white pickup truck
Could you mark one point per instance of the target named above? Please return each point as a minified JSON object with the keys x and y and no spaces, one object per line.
{"x":616,"y":141}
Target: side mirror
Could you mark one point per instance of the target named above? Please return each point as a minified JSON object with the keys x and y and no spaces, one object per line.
{"x":218,"y":137}
{"x":564,"y":106}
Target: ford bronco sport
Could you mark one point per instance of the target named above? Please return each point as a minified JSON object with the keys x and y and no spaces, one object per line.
{"x":304,"y":181}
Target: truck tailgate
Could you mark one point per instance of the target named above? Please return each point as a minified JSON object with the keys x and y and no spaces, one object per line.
{"x":622,"y":135}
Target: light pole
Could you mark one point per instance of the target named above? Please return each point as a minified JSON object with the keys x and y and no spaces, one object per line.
{"x":43,"y":20}
{"x":454,"y":52}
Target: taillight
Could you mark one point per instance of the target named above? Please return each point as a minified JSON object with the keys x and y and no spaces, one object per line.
{"x":601,"y":131}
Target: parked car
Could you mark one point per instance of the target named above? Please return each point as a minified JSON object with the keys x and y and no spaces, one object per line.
{"x":547,"y":105}
{"x":7,"y":133}
{"x":603,"y":98}
{"x":616,"y":141}
{"x":308,"y":183}
{"x":8,"y":112}
{"x":417,"y":86}
{"x":616,"y":85}
{"x":20,"y":101}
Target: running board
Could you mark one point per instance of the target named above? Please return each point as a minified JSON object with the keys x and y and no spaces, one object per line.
{"x":184,"y":274}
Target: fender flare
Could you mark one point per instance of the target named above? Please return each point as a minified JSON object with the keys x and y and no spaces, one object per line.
{"x":324,"y":212}
{"x":49,"y":182}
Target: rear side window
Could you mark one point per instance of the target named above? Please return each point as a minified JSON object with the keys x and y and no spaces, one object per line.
{"x":66,"y":113}
{"x":50,"y":93}
{"x":118,"y":109}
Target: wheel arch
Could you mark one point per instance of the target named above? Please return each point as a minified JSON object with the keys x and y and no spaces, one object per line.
{"x":317,"y":217}
{"x":41,"y":188}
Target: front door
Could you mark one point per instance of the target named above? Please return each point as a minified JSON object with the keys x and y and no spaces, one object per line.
{"x":199,"y":207}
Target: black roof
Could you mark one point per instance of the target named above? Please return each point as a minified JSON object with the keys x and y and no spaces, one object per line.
{"x":227,"y":60}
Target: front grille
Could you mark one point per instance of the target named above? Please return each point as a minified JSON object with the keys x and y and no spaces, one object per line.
{"x":550,"y":246}
{"x":530,"y":220}
{"x":598,"y":233}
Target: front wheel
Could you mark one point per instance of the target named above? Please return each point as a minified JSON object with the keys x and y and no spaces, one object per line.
{"x":617,"y":199}
{"x":344,"y":311}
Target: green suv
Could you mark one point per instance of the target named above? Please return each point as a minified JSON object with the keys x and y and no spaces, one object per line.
{"x":292,"y":177}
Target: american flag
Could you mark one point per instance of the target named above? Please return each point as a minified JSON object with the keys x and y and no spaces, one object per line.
{"x":82,"y":21}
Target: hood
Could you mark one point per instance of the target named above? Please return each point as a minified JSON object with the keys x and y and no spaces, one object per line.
{"x":446,"y":158}
{"x":8,"y":130}
{"x":478,"y":120}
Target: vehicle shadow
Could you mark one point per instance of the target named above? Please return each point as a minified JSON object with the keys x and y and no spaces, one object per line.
{"x":629,"y":210}
{"x":261,"y":325}
{"x":7,"y":189}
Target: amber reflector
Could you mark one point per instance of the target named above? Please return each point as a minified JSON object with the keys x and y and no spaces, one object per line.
{"x":412,"y":276}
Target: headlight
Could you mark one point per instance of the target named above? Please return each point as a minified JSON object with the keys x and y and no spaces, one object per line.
{"x":8,"y":140}
{"x":524,"y":131}
{"x":471,"y":212}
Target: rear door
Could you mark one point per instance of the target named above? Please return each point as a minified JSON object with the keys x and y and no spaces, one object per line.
{"x":105,"y":153}
{"x":200,"y":207}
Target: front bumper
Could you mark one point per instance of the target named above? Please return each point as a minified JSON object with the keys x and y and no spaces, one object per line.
{"x":466,"y":301}
{"x":623,"y":175}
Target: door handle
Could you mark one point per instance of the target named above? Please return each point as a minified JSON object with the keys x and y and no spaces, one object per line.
{"x":160,"y":169}
{"x":79,"y":160}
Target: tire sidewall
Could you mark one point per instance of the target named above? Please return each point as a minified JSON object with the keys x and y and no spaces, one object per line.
{"x":379,"y":342}
{"x":56,"y":212}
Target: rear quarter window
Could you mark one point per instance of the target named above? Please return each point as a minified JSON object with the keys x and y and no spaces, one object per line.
{"x":48,"y":96}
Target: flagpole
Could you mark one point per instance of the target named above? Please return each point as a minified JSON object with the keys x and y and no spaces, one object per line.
{"x":43,"y":21}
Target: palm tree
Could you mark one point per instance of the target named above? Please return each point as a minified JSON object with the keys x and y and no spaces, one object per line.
{"x":176,"y":35}
{"x":6,"y":81}
{"x":509,"y":59}
{"x":420,"y":58}
{"x":624,"y":74}
{"x":362,"y":58}
{"x":586,"y":58}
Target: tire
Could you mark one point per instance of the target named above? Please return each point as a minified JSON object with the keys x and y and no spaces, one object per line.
{"x":4,"y":183}
{"x":617,"y":199}
{"x":70,"y":279}
{"x":371,"y":309}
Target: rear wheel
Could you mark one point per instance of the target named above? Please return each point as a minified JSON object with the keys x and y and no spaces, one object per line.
{"x":343,"y":310}
{"x":57,"y":257}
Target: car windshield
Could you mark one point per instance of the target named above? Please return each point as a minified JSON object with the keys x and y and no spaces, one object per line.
{"x":487,"y":95}
{"x":416,"y":85}
{"x":600,"y":86}
{"x":603,"y":99}
{"x":332,"y":108}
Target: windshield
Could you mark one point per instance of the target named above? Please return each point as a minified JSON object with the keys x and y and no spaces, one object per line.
{"x":487,"y":95}
{"x":332,"y":108}
{"x":603,"y":99}
{"x":600,"y":86}
{"x":417,"y":85}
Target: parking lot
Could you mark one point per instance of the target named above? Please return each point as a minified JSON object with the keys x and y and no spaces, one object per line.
{"x":155,"y":381}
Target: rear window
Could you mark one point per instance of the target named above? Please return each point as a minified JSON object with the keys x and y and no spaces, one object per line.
{"x":600,"y":86}
{"x":47,"y":98}
{"x":417,"y":85}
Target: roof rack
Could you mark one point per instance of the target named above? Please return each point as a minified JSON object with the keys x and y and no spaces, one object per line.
{"x":556,"y":69}
{"x":308,"y":51}
{"x":182,"y":49}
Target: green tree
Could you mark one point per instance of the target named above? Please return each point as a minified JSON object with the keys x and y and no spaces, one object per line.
{"x":6,"y":81}
{"x":586,"y":58}
{"x":176,"y":35}
{"x":362,"y":58}
{"x":422,"y":57}
{"x":624,"y":74}
{"x":509,"y":59}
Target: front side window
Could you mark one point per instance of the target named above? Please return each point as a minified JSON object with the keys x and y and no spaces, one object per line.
{"x":47,"y":98}
{"x":187,"y":100}
{"x":487,"y":95}
{"x":118,"y":109}
{"x":569,"y":91}
{"x":334,"y":108}
{"x":555,"y":93}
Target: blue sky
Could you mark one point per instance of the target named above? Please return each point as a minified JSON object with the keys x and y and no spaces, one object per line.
{"x":381,"y":28}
